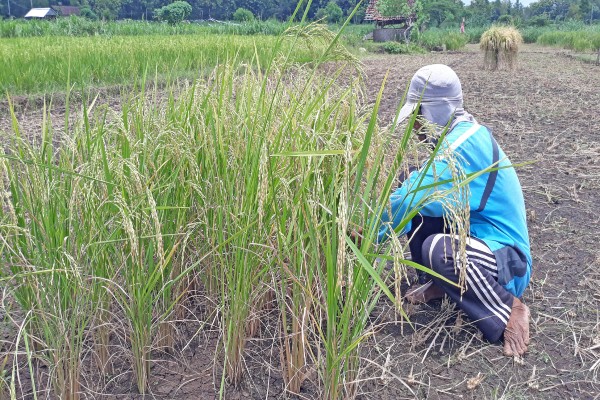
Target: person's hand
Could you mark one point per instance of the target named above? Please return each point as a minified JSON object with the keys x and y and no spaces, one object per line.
{"x":356,"y":235}
{"x":425,"y":293}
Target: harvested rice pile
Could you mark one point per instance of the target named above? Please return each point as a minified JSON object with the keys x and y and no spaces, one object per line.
{"x":500,"y":45}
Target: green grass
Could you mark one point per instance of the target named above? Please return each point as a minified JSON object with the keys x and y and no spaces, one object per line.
{"x":433,"y":39}
{"x":76,"y":26}
{"x":37,"y":65}
{"x":353,"y":35}
{"x":553,"y":33}
{"x":583,"y":40}
{"x":400,"y":48}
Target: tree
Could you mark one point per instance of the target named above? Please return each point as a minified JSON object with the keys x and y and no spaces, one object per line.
{"x":539,"y":20}
{"x":174,"y":13}
{"x":283,"y":9}
{"x":584,"y":8}
{"x":332,"y":13}
{"x":261,"y":9}
{"x":349,"y":7}
{"x":496,"y":10}
{"x":556,"y":10}
{"x":392,"y":8}
{"x":442,"y":12}
{"x":106,"y":9}
{"x":505,"y":20}
{"x":140,"y":9}
{"x":220,"y":9}
{"x":518,"y":8}
{"x":243,"y":15}
{"x":87,"y":12}
{"x":479,"y":12}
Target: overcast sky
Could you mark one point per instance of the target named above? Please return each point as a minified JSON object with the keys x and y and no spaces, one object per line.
{"x":524,"y":2}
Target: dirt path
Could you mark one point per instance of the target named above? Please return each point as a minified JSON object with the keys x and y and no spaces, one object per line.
{"x":546,"y":111}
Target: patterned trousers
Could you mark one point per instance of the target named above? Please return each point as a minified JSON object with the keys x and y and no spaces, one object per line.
{"x":485,"y":301}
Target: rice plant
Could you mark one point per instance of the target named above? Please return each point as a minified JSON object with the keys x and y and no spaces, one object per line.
{"x":42,"y":65}
{"x":440,"y":39}
{"x":500,"y":45}
{"x":79,"y":26}
{"x":250,"y":178}
{"x":582,"y":40}
{"x":43,"y":245}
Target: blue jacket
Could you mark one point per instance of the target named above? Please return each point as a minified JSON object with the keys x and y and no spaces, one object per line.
{"x":497,"y":207}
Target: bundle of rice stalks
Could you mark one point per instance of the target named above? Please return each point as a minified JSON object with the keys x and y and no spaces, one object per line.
{"x":500,"y":45}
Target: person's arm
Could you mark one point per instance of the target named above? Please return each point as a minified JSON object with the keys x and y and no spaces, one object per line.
{"x":411,"y":195}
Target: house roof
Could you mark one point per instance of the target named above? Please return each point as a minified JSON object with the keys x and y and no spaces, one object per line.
{"x":40,"y":13}
{"x":373,"y":14}
{"x":65,"y":11}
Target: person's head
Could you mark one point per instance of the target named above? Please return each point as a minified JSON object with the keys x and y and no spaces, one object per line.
{"x":417,"y":127}
{"x":437,"y":91}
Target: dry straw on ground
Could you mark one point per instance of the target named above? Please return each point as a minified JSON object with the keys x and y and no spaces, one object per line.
{"x":500,"y":45}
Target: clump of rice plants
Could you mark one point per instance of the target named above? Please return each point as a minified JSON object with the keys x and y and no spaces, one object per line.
{"x":43,"y":250}
{"x":582,"y":40}
{"x":79,"y":26}
{"x":440,"y":39}
{"x":249,"y":178}
{"x":500,"y":45}
{"x":102,"y":61}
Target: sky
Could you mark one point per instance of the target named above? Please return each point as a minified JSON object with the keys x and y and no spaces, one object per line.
{"x":524,"y":2}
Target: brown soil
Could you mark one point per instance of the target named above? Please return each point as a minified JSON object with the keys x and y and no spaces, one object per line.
{"x":546,"y":111}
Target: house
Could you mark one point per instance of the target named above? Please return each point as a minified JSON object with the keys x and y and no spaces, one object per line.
{"x":373,"y":14}
{"x":41,"y":13}
{"x":403,"y":23}
{"x":53,"y":12}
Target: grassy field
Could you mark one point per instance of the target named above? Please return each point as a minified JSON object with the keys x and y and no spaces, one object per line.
{"x":76,"y":26}
{"x":45,"y":64}
{"x":558,"y":35}
{"x":39,"y":57}
{"x":94,"y":53}
{"x":574,"y":40}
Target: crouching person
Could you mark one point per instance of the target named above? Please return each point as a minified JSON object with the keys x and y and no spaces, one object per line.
{"x":497,"y":252}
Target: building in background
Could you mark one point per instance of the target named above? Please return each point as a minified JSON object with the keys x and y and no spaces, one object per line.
{"x":41,"y":13}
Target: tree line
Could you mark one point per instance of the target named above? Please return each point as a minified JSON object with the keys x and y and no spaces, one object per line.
{"x":435,"y":13}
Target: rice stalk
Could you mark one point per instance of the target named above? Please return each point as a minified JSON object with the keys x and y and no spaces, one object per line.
{"x":500,"y":45}
{"x":248,"y":178}
{"x":43,"y":241}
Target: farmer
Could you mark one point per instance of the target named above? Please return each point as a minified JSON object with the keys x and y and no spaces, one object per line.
{"x":497,"y":253}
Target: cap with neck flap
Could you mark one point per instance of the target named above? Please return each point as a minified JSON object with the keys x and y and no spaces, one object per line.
{"x":438,"y":90}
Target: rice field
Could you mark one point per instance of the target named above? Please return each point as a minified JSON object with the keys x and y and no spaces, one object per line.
{"x":239,"y":187}
{"x":47,"y":64}
{"x":581,"y":41}
{"x":79,"y":26}
{"x":199,"y":221}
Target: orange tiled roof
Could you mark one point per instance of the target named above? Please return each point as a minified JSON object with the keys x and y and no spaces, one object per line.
{"x":372,"y":14}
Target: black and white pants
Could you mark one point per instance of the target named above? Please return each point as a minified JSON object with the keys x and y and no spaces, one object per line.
{"x":485,"y":301}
